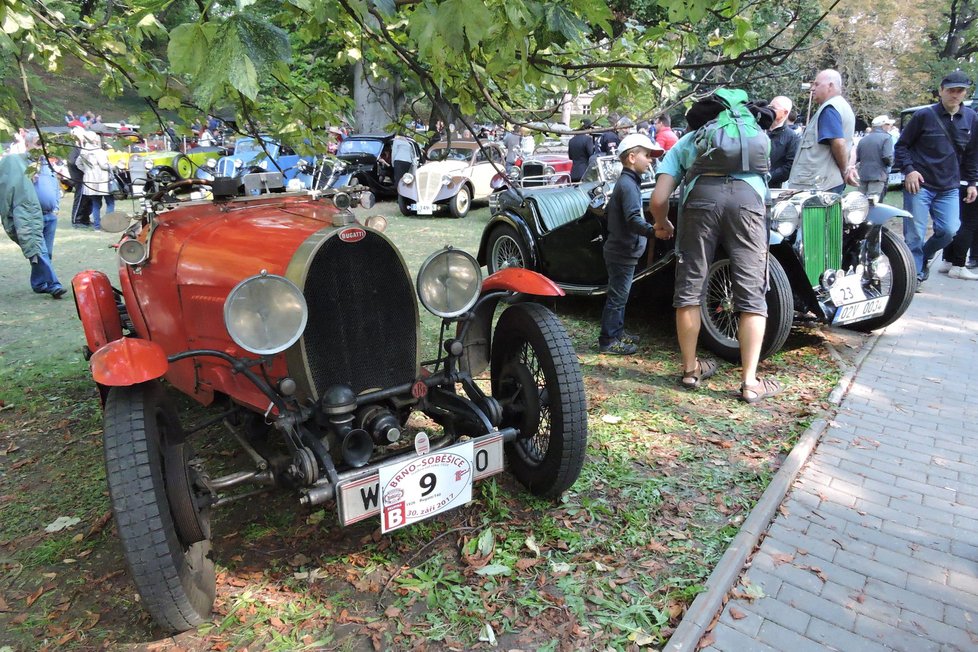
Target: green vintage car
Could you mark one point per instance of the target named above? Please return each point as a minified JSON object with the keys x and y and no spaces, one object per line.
{"x":164,"y":167}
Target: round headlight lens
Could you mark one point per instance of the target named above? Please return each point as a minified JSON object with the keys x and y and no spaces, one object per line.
{"x":148,"y":165}
{"x":445,"y":180}
{"x":785,"y":218}
{"x":549,"y":170}
{"x":265,"y":314}
{"x":342,"y":201}
{"x":211,"y":163}
{"x":238,"y":163}
{"x":367,"y":199}
{"x":132,"y":252}
{"x":408,"y":178}
{"x":449,"y":282}
{"x":855,"y":207}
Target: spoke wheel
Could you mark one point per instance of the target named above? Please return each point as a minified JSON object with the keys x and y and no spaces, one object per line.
{"x":461,"y":202}
{"x":900,"y":284}
{"x":506,"y":249}
{"x":720,"y":323}
{"x":537,"y":380}
{"x":175,"y":578}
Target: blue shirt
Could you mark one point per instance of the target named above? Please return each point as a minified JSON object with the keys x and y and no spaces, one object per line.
{"x":829,"y":125}
{"x":925,"y":148}
{"x":681,"y":157}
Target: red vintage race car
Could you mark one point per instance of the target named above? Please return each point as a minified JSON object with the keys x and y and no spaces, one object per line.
{"x":299,"y":325}
{"x":544,"y":170}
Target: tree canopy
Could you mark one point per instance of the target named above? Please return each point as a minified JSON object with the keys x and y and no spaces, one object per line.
{"x":288,"y":65}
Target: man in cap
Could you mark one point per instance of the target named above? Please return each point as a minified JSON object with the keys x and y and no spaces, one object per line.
{"x":874,"y":157}
{"x":938,"y":155}
{"x":580,"y":149}
{"x":784,"y":141}
{"x":628,"y":234}
{"x":822,"y":161}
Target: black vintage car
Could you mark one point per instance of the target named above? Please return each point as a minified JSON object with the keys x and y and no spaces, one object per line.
{"x":832,"y":259}
{"x":368,"y":156}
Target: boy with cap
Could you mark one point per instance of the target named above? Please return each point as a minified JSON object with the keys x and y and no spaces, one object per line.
{"x":628,"y":234}
{"x":938,"y":155}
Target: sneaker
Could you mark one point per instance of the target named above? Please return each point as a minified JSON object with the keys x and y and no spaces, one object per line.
{"x":963,"y":273}
{"x":944,"y":267}
{"x":630,"y":338}
{"x":972,"y":263}
{"x":60,"y":292}
{"x":618,"y":347}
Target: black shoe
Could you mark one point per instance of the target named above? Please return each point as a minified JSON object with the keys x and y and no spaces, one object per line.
{"x":924,"y":275}
{"x":630,"y":338}
{"x":971,"y":264}
{"x":618,"y":347}
{"x":57,"y":294}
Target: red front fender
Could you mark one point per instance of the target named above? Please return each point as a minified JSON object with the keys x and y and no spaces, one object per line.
{"x":128,"y":361}
{"x":95,"y":303}
{"x":517,"y":279}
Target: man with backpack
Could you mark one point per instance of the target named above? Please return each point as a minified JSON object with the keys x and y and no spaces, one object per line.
{"x":721,"y":162}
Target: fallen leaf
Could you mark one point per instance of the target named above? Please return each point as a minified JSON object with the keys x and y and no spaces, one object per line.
{"x":782,"y":558}
{"x":525,"y":563}
{"x":706,"y":641}
{"x":3,"y":605}
{"x":62,"y":523}
{"x":609,"y":418}
{"x":818,"y":571}
{"x":392,"y":612}
{"x":737,"y":614}
{"x":531,"y":543}
{"x":32,"y":598}
{"x":299,"y":560}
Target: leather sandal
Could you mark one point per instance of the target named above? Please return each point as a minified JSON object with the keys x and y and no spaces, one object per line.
{"x":764,"y":388}
{"x":705,"y":367}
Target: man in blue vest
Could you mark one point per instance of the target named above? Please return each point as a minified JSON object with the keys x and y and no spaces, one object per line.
{"x":938,"y":155}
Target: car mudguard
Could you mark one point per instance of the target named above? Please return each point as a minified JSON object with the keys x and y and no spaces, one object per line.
{"x":518,"y":279}
{"x":128,"y":361}
{"x":883,"y":213}
{"x":96,"y":307}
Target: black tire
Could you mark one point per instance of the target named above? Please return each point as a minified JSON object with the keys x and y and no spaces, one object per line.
{"x":720,"y":323}
{"x":506,"y":248}
{"x":538,"y":381}
{"x":901,"y":283}
{"x":402,"y":204}
{"x":460,"y":204}
{"x":176,"y":583}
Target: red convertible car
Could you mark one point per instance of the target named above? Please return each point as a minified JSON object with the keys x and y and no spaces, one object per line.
{"x":298,"y":325}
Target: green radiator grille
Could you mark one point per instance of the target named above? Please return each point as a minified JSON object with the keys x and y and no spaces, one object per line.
{"x":821,"y":231}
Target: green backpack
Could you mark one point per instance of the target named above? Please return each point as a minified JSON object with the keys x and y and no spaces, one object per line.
{"x":732,"y":142}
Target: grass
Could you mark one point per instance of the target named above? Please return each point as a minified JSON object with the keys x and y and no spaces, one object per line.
{"x":668,"y":478}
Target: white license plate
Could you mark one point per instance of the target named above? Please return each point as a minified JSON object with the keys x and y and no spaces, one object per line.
{"x":361,"y":498}
{"x":137,"y":190}
{"x":859,"y":311}
{"x":424,"y":209}
{"x":848,"y":289}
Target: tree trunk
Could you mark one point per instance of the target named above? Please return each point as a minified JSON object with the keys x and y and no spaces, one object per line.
{"x":378,"y":101}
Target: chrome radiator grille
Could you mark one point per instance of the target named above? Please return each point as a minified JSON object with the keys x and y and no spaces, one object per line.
{"x":362,"y":328}
{"x":429,"y":183}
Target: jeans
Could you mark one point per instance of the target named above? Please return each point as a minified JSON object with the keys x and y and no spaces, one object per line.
{"x":43,"y":278}
{"x":97,"y":208}
{"x":619,"y":285}
{"x":957,"y":252}
{"x":50,"y":226}
{"x":943,"y":206}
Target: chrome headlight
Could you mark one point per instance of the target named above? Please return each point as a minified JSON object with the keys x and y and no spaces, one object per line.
{"x":211,"y":163}
{"x":265,"y":314}
{"x":408,"y":178}
{"x":342,"y":201}
{"x":785,"y":218}
{"x":445,"y":180}
{"x":449,"y":282}
{"x":855,"y":208}
{"x":549,"y":170}
{"x":148,"y":165}
{"x":238,"y":163}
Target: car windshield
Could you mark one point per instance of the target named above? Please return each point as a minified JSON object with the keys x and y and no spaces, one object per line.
{"x":608,"y":169}
{"x":123,"y":143}
{"x":357,"y":146}
{"x":251,"y":146}
{"x":450,"y":154}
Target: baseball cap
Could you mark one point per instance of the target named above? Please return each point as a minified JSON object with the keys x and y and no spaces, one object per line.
{"x":956,"y":79}
{"x":881,"y":120}
{"x":632,"y":141}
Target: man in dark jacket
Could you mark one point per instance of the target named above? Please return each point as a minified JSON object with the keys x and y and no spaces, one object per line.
{"x":628,"y":233}
{"x":874,"y":157}
{"x":580,"y":149}
{"x":937,"y":152}
{"x":784,"y":142}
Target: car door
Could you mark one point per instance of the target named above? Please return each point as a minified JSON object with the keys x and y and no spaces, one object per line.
{"x":483,"y":170}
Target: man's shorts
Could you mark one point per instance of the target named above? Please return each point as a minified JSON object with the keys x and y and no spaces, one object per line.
{"x":723,"y":212}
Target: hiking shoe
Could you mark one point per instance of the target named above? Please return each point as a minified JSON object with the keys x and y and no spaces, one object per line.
{"x":944,"y":267}
{"x":60,"y":292}
{"x":962,"y":273}
{"x":630,"y":338}
{"x":618,"y":347}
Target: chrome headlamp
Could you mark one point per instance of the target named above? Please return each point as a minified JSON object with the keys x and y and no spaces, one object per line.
{"x":148,"y":165}
{"x":549,"y":170}
{"x":449,"y":282}
{"x":265,"y":314}
{"x":785,"y":217}
{"x":445,"y":180}
{"x":211,"y":163}
{"x":407,"y":179}
{"x":238,"y":163}
{"x":855,"y":208}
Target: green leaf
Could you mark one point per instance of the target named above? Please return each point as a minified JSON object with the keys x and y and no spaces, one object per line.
{"x":494,"y":569}
{"x":169,"y":102}
{"x":487,"y":541}
{"x":188,"y":48}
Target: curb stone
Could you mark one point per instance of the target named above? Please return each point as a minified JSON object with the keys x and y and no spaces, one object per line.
{"x":700,"y":615}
